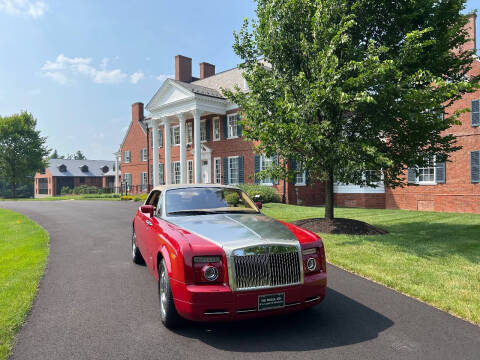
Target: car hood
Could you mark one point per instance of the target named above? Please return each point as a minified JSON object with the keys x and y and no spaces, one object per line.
{"x":235,"y":231}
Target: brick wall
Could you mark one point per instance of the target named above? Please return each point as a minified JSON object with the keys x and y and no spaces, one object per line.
{"x":368,"y":201}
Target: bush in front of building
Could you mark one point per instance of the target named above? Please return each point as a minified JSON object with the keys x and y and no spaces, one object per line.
{"x":66,"y":190}
{"x":85,"y":189}
{"x":267,"y":194}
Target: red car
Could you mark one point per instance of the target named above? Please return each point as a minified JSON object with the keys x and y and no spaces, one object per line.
{"x":217,"y":257}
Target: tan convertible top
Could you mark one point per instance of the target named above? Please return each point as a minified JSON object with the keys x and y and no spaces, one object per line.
{"x":182,"y":186}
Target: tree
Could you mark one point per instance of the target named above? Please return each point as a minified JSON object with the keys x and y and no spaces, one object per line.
{"x":76,"y":156}
{"x":54,"y":155}
{"x":22,"y":149}
{"x":344,"y":86}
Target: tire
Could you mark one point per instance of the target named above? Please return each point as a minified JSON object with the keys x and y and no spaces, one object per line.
{"x":168,"y":313}
{"x":137,"y":257}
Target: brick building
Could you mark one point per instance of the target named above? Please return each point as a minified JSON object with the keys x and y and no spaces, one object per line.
{"x":189,"y":108}
{"x":73,"y":173}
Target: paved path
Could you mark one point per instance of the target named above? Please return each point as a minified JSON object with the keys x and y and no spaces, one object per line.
{"x":94,"y":303}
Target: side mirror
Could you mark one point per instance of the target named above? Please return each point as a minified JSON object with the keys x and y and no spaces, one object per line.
{"x":259,"y":204}
{"x":147,"y":209}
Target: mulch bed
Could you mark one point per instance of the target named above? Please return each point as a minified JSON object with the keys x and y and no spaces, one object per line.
{"x":339,"y":226}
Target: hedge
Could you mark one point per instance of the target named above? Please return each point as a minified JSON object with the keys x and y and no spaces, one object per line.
{"x":267,"y":194}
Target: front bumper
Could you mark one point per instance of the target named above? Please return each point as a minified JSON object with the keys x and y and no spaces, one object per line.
{"x":219,"y":303}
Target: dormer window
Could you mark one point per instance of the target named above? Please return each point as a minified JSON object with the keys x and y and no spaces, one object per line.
{"x":105,"y":169}
{"x":84,"y":168}
{"x":62,"y":168}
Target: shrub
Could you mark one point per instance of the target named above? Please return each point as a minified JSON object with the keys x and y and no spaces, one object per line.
{"x":267,"y":193}
{"x":85,"y":189}
{"x":65,"y":190}
{"x":127,"y":197}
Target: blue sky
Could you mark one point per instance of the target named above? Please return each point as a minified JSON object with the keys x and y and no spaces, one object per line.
{"x":79,"y":65}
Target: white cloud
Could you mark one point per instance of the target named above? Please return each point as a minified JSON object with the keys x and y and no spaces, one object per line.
{"x":34,"y":9}
{"x":64,"y":68}
{"x":163,"y":77}
{"x":136,"y":77}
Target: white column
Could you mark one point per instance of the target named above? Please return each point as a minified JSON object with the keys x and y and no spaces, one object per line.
{"x":198,"y":150}
{"x":183,"y":150}
{"x":117,"y":155}
{"x":156,"y":180}
{"x":167,"y":166}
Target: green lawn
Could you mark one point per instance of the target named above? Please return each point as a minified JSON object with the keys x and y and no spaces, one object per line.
{"x":23,"y":253}
{"x":431,"y":256}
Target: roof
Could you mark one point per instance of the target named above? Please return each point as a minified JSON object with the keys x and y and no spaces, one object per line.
{"x":201,"y":90}
{"x":184,"y":186}
{"x":73,"y":167}
{"x":222,"y":80}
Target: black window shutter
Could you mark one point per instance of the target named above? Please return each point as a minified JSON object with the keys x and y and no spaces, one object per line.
{"x":307,"y":177}
{"x":440,"y":173}
{"x":275,"y":162}
{"x":475,"y":112}
{"x":225,"y":171}
{"x":225,"y":126}
{"x":160,"y":138}
{"x":257,"y":168}
{"x":161,"y":174}
{"x":241,"y":171}
{"x":207,"y":128}
{"x":239,"y":127}
{"x":412,"y":176}
{"x":475,"y":166}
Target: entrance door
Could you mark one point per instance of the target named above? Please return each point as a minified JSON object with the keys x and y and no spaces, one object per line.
{"x":205,"y":171}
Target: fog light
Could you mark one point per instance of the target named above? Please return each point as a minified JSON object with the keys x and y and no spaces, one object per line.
{"x":311,"y":264}
{"x":210,"y":273}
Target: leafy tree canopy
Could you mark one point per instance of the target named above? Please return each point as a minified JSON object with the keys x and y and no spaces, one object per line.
{"x":22,"y":149}
{"x":345,"y":86}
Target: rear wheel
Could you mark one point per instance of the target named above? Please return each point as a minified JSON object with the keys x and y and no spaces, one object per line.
{"x":137,"y":257}
{"x":169,"y":315}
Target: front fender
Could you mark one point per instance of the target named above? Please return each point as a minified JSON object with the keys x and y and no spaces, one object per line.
{"x":163,"y":253}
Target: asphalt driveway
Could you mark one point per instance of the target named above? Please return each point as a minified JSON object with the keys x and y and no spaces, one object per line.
{"x":94,"y":303}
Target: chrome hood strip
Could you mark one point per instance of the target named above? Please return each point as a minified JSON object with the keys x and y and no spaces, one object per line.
{"x":234,"y":231}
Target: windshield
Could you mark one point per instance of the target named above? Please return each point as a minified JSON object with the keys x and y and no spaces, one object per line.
{"x":209,"y":200}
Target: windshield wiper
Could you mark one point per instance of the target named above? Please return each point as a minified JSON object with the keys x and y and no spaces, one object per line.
{"x":191,"y":212}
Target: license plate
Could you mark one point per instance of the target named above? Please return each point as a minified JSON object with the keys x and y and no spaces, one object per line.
{"x":271,"y":301}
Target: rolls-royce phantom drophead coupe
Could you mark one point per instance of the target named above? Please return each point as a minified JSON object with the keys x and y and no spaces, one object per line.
{"x":217,"y":257}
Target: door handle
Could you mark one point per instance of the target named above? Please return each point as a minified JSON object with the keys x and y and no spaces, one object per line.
{"x":149,"y":223}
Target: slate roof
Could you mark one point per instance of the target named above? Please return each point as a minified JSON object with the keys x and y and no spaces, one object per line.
{"x":201,"y":90}
{"x":73,"y":167}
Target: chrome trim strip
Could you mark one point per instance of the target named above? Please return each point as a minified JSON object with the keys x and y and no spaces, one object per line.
{"x":313,"y":299}
{"x":292,"y":304}
{"x":246,"y":311}
{"x":216,"y":313}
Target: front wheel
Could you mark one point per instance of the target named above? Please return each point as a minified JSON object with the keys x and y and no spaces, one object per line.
{"x":137,"y":257}
{"x":169,"y":315}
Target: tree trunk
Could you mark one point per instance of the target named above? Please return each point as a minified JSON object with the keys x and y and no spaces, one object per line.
{"x":14,"y":189}
{"x":329,"y":195}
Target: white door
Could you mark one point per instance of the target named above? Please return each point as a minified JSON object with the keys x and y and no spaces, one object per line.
{"x":206,"y":171}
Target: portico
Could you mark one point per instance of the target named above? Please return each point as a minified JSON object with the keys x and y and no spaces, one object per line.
{"x":173,"y":104}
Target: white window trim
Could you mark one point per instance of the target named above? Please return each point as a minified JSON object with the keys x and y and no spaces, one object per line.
{"x":203,"y":124}
{"x":129,"y":176}
{"x":161,"y":174}
{"x":262,"y":160}
{"x":428,"y":183}
{"x":216,"y":120}
{"x":230,"y":158}
{"x":228,"y":126}
{"x":189,"y":179}
{"x":215,"y":169}
{"x":174,"y":177}
{"x":144,"y":155}
{"x":172,"y":129}
{"x":304,"y":182}
{"x":125,"y":158}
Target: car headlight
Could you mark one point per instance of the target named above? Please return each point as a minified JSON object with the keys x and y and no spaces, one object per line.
{"x":311,"y":264}
{"x":210,"y":273}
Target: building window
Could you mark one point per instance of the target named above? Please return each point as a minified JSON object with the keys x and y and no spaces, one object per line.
{"x":81,"y":180}
{"x":175,"y":133}
{"x":203,"y":130}
{"x":232,"y":126}
{"x":126,"y":156}
{"x":301,"y":175}
{"x":176,"y":172}
{"x":160,"y":139}
{"x":426,"y":174}
{"x":233,"y":173}
{"x":43,"y":186}
{"x":143,"y":155}
{"x":189,"y":133}
{"x":161,"y":176}
{"x":144,"y":181}
{"x":217,"y":170}
{"x":266,"y":163}
{"x":190,"y":171}
{"x":430,"y":174}
{"x":216,"y":129}
{"x":127,"y":178}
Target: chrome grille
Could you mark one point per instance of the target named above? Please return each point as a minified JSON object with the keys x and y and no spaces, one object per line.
{"x":266,"y":266}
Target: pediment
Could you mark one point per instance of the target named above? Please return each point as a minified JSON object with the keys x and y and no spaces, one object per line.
{"x":170,"y":92}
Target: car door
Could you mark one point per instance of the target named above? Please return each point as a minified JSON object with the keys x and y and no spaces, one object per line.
{"x":143,"y":229}
{"x":151,"y":233}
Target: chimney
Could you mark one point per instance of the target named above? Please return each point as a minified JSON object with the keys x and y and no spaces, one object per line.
{"x":137,"y":111}
{"x":206,"y":70}
{"x":183,"y":68}
{"x":470,"y":28}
